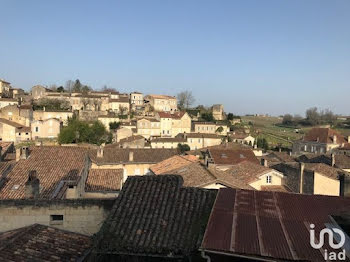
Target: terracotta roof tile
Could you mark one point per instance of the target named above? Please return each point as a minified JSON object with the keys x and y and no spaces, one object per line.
{"x":232,"y":157}
{"x":42,"y":243}
{"x":173,"y":163}
{"x":53,"y":164}
{"x":104,"y":180}
{"x":323,"y":135}
{"x":113,"y":155}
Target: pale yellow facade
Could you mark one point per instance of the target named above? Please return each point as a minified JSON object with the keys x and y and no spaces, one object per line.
{"x":326,"y":186}
{"x":4,"y":86}
{"x":136,"y":99}
{"x":49,"y":128}
{"x":162,"y":103}
{"x":148,"y":128}
{"x":200,"y":142}
{"x":275,"y":179}
{"x":63,"y":116}
{"x":7,"y":102}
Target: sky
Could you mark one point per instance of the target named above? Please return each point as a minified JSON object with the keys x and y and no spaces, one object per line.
{"x":271,"y":57}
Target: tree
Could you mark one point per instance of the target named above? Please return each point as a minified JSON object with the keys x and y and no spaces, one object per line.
{"x":97,"y":104}
{"x":77,"y":86}
{"x":207,"y":117}
{"x":312,"y":116}
{"x":185,"y":99}
{"x":53,"y":87}
{"x":287,"y":120}
{"x":220,"y":129}
{"x":86,"y":102}
{"x":60,"y":89}
{"x":230,"y":116}
{"x":105,"y":88}
{"x":83,"y":132}
{"x":114,"y":125}
{"x":262,"y":143}
{"x":328,"y":116}
{"x":183,"y":148}
{"x":69,"y":86}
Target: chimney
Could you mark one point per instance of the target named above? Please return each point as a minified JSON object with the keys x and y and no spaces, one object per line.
{"x":206,"y":162}
{"x":131,"y":156}
{"x":334,"y":139}
{"x":264,"y":162}
{"x":22,"y":153}
{"x":279,"y":149}
{"x":100,"y":151}
{"x":333,"y":159}
{"x":32,"y":186}
{"x":302,"y":167}
{"x":18,"y":154}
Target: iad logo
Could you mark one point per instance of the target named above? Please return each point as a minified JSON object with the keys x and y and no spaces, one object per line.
{"x":331,"y":255}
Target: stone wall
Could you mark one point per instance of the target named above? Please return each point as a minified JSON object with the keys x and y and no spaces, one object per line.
{"x":83,"y":216}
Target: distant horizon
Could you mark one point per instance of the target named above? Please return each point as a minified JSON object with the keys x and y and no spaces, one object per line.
{"x":254,"y":57}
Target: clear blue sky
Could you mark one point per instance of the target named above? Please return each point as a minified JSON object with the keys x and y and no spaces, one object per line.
{"x":253,"y":56}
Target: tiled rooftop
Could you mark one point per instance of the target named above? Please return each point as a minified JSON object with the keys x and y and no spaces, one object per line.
{"x":324,"y":135}
{"x":104,"y":180}
{"x":172,"y":163}
{"x":232,"y":157}
{"x":155,"y":216}
{"x":52,"y":164}
{"x":42,"y":243}
{"x":113,"y":155}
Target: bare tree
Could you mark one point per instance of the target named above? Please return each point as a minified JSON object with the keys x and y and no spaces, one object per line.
{"x":69,"y":86}
{"x":185,"y":99}
{"x":97,"y":104}
{"x":105,"y":88}
{"x":86,"y":102}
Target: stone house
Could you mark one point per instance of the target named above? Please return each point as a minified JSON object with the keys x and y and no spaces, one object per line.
{"x":173,"y":124}
{"x":162,"y":103}
{"x":8,"y":102}
{"x":4,"y":87}
{"x":39,"y":91}
{"x":318,"y":140}
{"x":134,"y":162}
{"x":198,"y":141}
{"x":136,"y":100}
{"x":242,"y":138}
{"x":119,"y":105}
{"x":210,"y":128}
{"x":43,"y":115}
{"x":107,"y":119}
{"x":148,"y":127}
{"x":167,"y":142}
{"x":13,"y":132}
{"x":121,"y":133}
{"x":315,"y":178}
{"x":48,"y":128}
{"x":20,"y":114}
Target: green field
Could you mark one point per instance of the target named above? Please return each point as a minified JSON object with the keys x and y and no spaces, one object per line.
{"x":267,"y":127}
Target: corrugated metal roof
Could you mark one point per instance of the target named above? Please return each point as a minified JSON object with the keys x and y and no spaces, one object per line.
{"x":273,"y":225}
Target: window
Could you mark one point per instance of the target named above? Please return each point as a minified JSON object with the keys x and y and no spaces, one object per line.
{"x":36,"y":129}
{"x":56,"y":219}
{"x":268,"y":179}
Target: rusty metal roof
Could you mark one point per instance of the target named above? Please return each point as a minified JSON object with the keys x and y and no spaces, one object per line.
{"x":270,"y":225}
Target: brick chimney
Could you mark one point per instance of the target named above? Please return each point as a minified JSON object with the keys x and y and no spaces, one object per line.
{"x":264,"y":162}
{"x":32,"y":186}
{"x":302,"y":167}
{"x":334,"y":139}
{"x":131,"y":156}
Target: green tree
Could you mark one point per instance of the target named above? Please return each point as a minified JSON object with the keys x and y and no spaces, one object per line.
{"x":114,"y":125}
{"x":83,"y":132}
{"x":60,"y":89}
{"x":183,"y":148}
{"x":262,"y":143}
{"x":220,"y":129}
{"x":207,"y":117}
